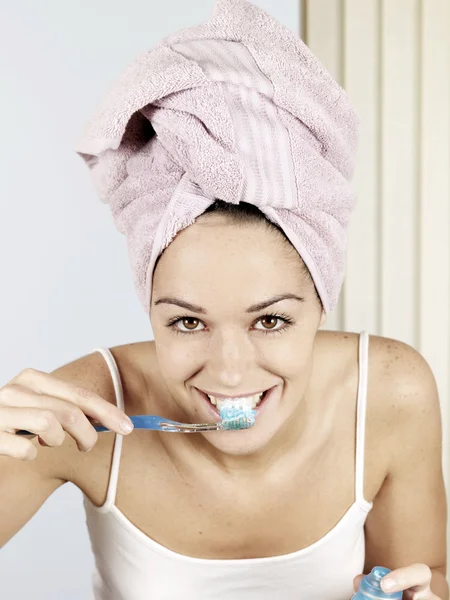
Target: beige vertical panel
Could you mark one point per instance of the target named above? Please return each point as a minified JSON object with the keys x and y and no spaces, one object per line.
{"x":322,"y":32}
{"x":362,"y":82}
{"x":399,"y":181}
{"x":393,"y":58}
{"x":435,"y":201}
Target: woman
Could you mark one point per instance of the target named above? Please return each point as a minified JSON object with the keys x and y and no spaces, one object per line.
{"x":342,"y":469}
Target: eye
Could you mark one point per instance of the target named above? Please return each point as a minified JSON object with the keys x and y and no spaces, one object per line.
{"x":273,"y":323}
{"x":186,"y":324}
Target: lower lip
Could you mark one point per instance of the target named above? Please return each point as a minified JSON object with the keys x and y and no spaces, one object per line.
{"x":214,"y":411}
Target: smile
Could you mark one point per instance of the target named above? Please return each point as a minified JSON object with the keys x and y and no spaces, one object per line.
{"x":252,"y":400}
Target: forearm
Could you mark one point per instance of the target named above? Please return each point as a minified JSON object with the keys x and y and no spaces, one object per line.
{"x":439,"y":585}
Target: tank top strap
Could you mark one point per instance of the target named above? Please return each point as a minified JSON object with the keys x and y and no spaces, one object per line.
{"x":115,"y":463}
{"x":361,"y":415}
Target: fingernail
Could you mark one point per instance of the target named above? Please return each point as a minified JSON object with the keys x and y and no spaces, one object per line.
{"x":389,"y":584}
{"x":127,"y":426}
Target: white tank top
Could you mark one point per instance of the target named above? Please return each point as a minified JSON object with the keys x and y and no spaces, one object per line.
{"x":132,"y":566}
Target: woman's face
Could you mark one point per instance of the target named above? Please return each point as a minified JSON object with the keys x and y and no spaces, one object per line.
{"x":233,"y":314}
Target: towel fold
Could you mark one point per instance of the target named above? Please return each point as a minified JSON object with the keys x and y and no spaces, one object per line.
{"x":236,"y":108}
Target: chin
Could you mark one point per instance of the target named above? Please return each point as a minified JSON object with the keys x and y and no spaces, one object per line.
{"x":244,"y":442}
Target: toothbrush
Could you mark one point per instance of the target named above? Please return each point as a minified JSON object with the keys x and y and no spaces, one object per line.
{"x":155,"y":423}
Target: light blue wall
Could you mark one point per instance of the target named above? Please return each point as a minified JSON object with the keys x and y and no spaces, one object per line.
{"x":65,"y":282}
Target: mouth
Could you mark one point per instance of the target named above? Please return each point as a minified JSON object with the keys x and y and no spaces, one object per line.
{"x":254,"y":401}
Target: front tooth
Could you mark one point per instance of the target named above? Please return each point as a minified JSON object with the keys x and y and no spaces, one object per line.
{"x":251,"y":401}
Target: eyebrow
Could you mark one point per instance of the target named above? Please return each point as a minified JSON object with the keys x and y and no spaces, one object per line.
{"x":252,"y":309}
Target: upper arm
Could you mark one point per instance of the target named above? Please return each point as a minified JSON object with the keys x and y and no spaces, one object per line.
{"x":25,"y":485}
{"x":407,"y":523}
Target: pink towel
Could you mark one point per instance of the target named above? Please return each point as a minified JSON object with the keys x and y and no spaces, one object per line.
{"x":242,"y":111}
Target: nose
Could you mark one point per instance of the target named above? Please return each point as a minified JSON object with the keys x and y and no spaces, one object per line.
{"x":230,"y":358}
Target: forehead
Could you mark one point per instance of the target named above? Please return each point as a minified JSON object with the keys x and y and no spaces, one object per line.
{"x":214,"y":253}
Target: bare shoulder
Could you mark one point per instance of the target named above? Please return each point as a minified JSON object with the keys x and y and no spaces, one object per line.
{"x":404,"y":439}
{"x":401,"y":382}
{"x":403,"y":414}
{"x":89,"y":372}
{"x":402,"y":396}
{"x":403,"y":417}
{"x":401,"y":378}
{"x":92,"y":372}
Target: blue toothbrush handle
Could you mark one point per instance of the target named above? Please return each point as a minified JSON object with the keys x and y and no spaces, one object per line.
{"x":151,"y":422}
{"x":157,"y":423}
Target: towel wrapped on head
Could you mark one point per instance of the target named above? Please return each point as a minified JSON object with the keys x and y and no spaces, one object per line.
{"x":236,"y":108}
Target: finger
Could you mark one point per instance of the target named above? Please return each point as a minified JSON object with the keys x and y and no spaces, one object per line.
{"x":89,"y":402}
{"x":70,"y":416}
{"x":417,"y":577}
{"x":357,"y":581}
{"x":16,"y":447}
{"x":40,"y":422}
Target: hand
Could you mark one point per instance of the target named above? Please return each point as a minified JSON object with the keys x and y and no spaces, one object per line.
{"x":48,"y":407}
{"x":414,"y":581}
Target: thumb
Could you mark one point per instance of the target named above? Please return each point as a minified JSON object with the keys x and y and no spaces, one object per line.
{"x":356,"y":582}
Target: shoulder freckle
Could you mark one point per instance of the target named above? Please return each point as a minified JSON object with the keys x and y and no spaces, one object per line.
{"x":89,"y":376}
{"x":402,"y":376}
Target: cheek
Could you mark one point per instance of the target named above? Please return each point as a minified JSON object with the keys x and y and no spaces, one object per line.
{"x":290,"y":354}
{"x":177,"y":359}
{"x":287,"y":358}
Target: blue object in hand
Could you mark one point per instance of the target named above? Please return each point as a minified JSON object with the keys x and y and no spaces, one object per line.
{"x":370,"y":587}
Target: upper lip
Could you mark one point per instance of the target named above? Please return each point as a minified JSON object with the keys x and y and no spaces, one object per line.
{"x":245,"y":395}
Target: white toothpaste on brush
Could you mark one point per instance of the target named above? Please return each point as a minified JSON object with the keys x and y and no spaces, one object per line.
{"x":236,"y":414}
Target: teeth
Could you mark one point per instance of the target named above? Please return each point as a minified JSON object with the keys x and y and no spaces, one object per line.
{"x":251,"y":401}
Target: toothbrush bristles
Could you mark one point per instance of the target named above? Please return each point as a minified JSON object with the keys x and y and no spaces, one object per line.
{"x":239,"y":423}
